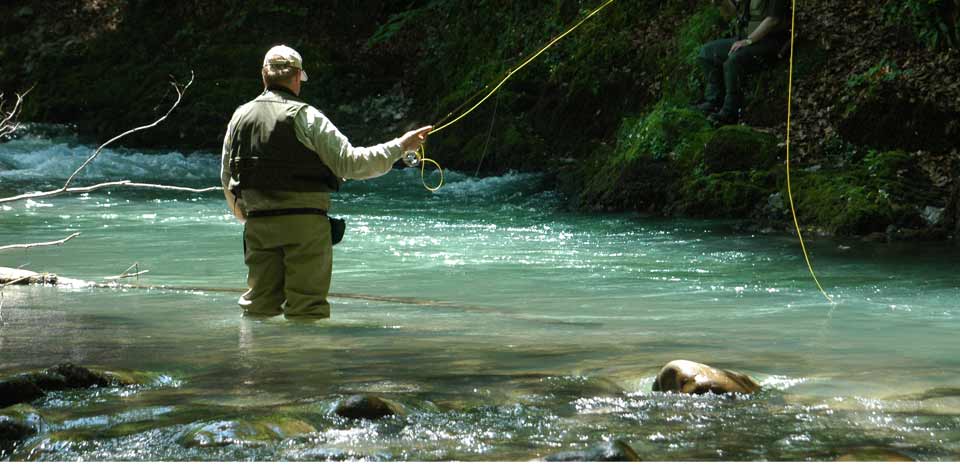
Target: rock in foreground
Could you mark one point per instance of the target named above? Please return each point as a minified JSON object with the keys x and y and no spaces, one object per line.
{"x":368,"y":407}
{"x":616,"y":451}
{"x":19,"y":422}
{"x":695,"y":378}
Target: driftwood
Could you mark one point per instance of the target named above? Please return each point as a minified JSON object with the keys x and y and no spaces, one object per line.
{"x":36,"y":245}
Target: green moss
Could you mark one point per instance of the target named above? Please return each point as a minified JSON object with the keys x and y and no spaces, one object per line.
{"x":642,"y":167}
{"x":733,"y":194}
{"x":701,"y":27}
{"x":865,"y":198}
{"x":739,"y":148}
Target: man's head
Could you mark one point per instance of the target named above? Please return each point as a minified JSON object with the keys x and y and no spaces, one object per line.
{"x":283,"y":66}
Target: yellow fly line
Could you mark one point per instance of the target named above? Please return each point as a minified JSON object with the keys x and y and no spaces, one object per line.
{"x":423,"y":160}
{"x":422,"y":153}
{"x":793,"y":210}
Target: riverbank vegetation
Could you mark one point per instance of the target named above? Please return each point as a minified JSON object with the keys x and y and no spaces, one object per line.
{"x":876,"y":109}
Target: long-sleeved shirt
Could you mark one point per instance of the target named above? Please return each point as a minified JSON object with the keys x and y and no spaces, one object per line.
{"x":318,"y":134}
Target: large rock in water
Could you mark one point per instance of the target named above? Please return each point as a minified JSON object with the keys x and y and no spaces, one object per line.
{"x":368,"y":407}
{"x":616,"y":451}
{"x":18,"y":423}
{"x":695,"y":378}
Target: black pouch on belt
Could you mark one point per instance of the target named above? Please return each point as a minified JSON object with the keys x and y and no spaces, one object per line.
{"x":337,"y":229}
{"x":337,"y":226}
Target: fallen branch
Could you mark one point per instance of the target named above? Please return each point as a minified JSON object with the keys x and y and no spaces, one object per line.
{"x":126,"y":273}
{"x":66,"y":186}
{"x":112,"y":184}
{"x":8,"y":119}
{"x":35,"y":245}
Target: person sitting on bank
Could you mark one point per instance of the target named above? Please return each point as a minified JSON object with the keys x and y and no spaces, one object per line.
{"x":281,"y":160}
{"x":763,"y":27}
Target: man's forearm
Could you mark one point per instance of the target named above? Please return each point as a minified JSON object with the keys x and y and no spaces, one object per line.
{"x":764,"y":29}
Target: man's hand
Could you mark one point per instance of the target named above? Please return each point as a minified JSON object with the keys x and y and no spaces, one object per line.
{"x":739,"y":45}
{"x":414,"y":139}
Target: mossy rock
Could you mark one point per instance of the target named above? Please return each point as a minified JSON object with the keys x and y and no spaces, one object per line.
{"x":734,"y":194}
{"x":739,"y":148}
{"x":368,"y":407}
{"x":641,"y":170}
{"x":867,"y":197}
{"x":126,"y":378}
{"x":19,"y":422}
{"x":26,"y":387}
{"x":245,"y":432}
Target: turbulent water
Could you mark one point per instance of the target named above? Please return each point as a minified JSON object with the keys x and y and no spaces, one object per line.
{"x":548,"y":330}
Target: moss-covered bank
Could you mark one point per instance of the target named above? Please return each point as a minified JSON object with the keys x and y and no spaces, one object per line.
{"x":603,"y":111}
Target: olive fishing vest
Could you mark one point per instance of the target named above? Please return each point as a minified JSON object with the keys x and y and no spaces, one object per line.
{"x":755,"y":14}
{"x":265,"y":153}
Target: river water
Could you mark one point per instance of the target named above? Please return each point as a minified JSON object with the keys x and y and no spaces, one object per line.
{"x":548,"y":331}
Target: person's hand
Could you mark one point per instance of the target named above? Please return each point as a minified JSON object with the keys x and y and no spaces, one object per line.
{"x":414,"y":139}
{"x":740,"y":44}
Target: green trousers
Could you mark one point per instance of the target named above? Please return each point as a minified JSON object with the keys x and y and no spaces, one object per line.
{"x":289,"y":260}
{"x":724,"y":72}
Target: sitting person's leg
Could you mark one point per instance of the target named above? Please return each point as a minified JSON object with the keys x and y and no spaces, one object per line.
{"x":745,"y":60}
{"x":712,"y":57}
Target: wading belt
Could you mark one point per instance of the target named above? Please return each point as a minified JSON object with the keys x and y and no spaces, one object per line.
{"x":337,"y":226}
{"x":292,"y":211}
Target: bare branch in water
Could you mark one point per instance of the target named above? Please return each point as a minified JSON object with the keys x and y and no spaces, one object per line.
{"x":66,"y":186}
{"x":112,"y":184}
{"x":35,"y":245}
{"x":126,"y":273}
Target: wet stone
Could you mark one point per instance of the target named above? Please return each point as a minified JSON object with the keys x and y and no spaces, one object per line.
{"x":78,"y":377}
{"x":368,"y":407}
{"x":19,"y":422}
{"x":245,"y":432}
{"x":616,"y":451}
{"x":695,"y":378}
{"x":18,"y":389}
{"x":873,"y":454}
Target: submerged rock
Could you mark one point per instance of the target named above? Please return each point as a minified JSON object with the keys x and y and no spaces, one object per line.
{"x":24,"y":388}
{"x":77,"y":377}
{"x":19,"y":422}
{"x":695,"y":378}
{"x":873,"y":454}
{"x":368,"y":407}
{"x":245,"y":432}
{"x":616,"y":451}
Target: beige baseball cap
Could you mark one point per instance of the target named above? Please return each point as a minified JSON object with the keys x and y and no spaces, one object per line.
{"x":284,"y":56}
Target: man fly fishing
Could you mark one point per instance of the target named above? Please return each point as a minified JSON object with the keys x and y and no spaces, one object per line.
{"x":281,"y":160}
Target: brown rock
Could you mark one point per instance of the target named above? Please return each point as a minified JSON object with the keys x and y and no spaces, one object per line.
{"x":695,"y":378}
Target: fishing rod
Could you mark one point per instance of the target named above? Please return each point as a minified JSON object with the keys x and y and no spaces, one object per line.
{"x":415,"y":158}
